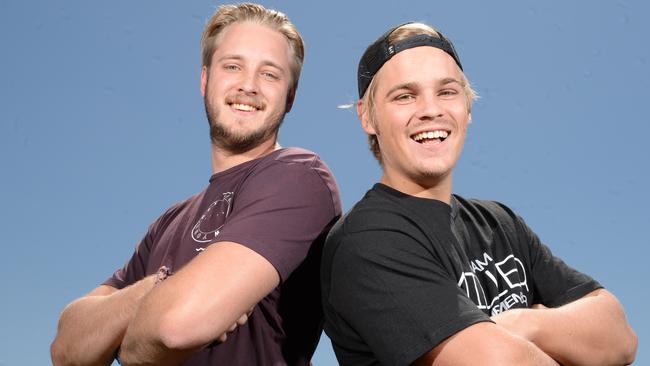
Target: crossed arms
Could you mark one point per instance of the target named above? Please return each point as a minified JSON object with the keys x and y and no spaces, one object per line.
{"x":164,"y":324}
{"x":589,"y":331}
{"x":398,"y":302}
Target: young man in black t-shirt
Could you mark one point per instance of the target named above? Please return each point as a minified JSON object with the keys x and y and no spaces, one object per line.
{"x":416,"y":275}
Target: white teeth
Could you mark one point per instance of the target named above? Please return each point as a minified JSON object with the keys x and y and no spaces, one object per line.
{"x":431,"y":135}
{"x":244,"y":107}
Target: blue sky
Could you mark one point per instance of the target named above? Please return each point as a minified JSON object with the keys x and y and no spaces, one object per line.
{"x":102,"y":128}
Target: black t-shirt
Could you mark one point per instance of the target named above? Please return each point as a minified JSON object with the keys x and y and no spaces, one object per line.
{"x":281,"y":206}
{"x":400,"y":274}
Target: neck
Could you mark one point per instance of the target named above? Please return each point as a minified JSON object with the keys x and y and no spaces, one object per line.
{"x":437,"y":188}
{"x":223,"y":159}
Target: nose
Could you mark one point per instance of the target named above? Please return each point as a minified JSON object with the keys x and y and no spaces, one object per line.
{"x":429,"y":107}
{"x":249,"y":83}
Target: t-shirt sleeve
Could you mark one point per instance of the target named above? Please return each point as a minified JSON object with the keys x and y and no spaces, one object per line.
{"x":389,"y":290}
{"x":135,"y":268}
{"x":555,"y":283}
{"x":279,"y":211}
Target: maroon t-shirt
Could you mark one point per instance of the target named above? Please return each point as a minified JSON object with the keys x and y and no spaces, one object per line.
{"x":282,"y":206}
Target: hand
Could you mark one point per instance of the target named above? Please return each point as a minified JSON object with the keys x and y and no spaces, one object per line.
{"x":241,"y":321}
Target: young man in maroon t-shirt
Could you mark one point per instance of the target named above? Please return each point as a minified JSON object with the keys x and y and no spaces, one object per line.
{"x":230,"y":275}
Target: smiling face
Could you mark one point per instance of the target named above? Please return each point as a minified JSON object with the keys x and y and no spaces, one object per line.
{"x":420,"y":118}
{"x":246,"y":88}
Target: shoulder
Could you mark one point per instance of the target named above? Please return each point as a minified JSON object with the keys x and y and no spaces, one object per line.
{"x":375,"y":211}
{"x":289,"y":178}
{"x":378,"y":225}
{"x":296,"y":155}
{"x":489,"y":217}
{"x":293,"y":157}
{"x":385,"y":209}
{"x":293,"y":163}
{"x":490,"y":212}
{"x":297,"y":171}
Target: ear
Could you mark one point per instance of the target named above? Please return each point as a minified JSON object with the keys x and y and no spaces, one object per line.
{"x":364,"y":117}
{"x":469,"y":120}
{"x":290,"y":98}
{"x":204,"y":79}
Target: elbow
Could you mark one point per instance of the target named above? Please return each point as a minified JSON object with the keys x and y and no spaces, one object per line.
{"x":56,"y":354}
{"x":618,"y":351}
{"x":61,"y":355}
{"x":176,"y":331}
{"x":627,"y":344}
{"x":160,"y":339}
{"x":629,"y":347}
{"x":174,"y":338}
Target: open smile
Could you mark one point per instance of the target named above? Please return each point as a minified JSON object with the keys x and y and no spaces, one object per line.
{"x":244,"y":107}
{"x":243,"y":104}
{"x":432,"y":136}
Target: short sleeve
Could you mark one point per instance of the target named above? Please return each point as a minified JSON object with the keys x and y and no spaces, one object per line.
{"x":280,"y":210}
{"x":135,"y":268}
{"x":388,"y":289}
{"x":555,"y":283}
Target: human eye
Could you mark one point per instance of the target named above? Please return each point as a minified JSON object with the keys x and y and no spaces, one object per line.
{"x":231,"y":67}
{"x":448,"y":92}
{"x":270,"y":75}
{"x":404,"y":97}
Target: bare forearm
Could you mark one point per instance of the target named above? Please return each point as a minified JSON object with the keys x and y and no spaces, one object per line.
{"x":147,"y":351}
{"x":91,"y":328}
{"x":522,"y":353}
{"x":490,"y":345}
{"x":189,"y":310}
{"x":532,"y":355}
{"x":589,"y":331}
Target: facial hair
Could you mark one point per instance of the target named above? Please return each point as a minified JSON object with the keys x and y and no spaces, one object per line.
{"x":225,"y":138}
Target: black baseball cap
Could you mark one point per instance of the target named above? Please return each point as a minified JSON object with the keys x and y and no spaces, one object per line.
{"x":381,"y":51}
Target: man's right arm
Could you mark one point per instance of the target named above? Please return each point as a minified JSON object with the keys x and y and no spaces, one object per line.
{"x":485,"y":344}
{"x":91,"y":328}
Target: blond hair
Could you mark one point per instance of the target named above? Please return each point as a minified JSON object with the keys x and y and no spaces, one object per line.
{"x":249,"y":12}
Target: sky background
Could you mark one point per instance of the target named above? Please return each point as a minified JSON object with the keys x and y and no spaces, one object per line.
{"x":102,"y":128}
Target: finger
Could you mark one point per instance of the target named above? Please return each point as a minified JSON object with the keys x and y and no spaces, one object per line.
{"x":232,"y":327}
{"x":242,"y":319}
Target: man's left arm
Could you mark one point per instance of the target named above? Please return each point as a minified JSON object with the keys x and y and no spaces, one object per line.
{"x":591,"y":330}
{"x":197,"y":305}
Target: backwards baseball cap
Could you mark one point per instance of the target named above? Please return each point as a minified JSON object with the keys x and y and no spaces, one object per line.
{"x":381,"y":51}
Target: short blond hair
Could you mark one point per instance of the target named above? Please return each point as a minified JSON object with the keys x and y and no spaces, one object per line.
{"x":249,"y":12}
{"x":368,"y":99}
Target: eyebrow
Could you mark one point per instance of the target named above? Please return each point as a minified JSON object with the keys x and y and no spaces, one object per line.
{"x":240,"y":58}
{"x":409,"y":85}
{"x":450,"y":80}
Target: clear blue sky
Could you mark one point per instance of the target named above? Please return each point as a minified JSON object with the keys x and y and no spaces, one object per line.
{"x":102,"y":127}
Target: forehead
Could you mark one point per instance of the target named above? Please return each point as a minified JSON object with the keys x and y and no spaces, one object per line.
{"x":253,"y":41}
{"x":419,"y":65}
